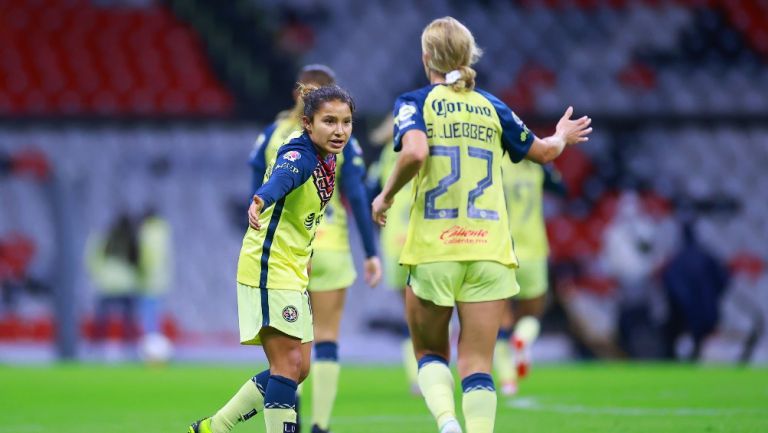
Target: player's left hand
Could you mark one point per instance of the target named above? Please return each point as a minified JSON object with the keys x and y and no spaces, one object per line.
{"x":379,"y":209}
{"x":254,"y":211}
{"x":372,"y":267}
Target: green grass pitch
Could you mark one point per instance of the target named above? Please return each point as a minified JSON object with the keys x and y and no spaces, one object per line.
{"x":594,"y":398}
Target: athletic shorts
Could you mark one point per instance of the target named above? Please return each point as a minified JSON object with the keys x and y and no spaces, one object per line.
{"x":331,"y":270}
{"x":395,"y":274}
{"x":445,"y":283}
{"x":288,"y":311}
{"x":532,"y":278}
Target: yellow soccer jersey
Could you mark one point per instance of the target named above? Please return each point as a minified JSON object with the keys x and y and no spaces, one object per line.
{"x":333,"y":234}
{"x":393,"y":234}
{"x":524,"y":187}
{"x":299,"y":185}
{"x":458,"y":211}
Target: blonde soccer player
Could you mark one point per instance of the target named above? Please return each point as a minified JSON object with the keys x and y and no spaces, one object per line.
{"x":273,"y":304}
{"x":452,"y":139}
{"x":332,"y":269}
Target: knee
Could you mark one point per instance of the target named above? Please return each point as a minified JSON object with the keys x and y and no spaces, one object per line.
{"x":289,"y":365}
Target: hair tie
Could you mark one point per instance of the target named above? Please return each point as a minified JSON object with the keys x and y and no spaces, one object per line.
{"x":452,"y":77}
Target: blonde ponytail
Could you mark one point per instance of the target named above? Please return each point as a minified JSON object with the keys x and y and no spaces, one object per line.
{"x":450,"y":48}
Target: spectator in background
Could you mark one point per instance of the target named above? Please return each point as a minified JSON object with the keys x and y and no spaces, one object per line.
{"x":113,"y":265}
{"x":156,"y":270}
{"x":694,"y":281}
{"x":632,"y":254}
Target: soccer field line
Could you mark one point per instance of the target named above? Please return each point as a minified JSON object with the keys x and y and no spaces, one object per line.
{"x":532,"y":404}
{"x":380,"y":419}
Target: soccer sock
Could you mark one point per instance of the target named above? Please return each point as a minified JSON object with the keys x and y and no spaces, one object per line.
{"x":280,"y":405}
{"x":502,"y":357}
{"x":325,"y":382}
{"x":409,"y":362}
{"x":436,"y":383}
{"x":243,"y":405}
{"x":527,"y":329}
{"x":479,"y":403}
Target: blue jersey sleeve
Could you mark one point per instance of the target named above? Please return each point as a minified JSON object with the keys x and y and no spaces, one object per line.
{"x":293,"y":166}
{"x":258,"y":157}
{"x":409,"y":114}
{"x":553,"y":181}
{"x":516,"y":138}
{"x":353,"y":188}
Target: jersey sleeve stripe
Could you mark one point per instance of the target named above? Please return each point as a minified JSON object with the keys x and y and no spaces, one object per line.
{"x":273,"y":223}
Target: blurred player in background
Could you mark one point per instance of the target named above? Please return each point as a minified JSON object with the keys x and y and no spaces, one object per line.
{"x":155,"y":245}
{"x":394,"y":233}
{"x":112,"y":260}
{"x":452,"y":139}
{"x":332,"y":269}
{"x":524,"y":186}
{"x":272,"y":275}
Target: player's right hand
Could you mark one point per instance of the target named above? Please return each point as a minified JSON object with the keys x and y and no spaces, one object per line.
{"x":379,"y":209}
{"x":254,"y":211}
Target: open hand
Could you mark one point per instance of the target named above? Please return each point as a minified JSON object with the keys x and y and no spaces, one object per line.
{"x":573,"y":131}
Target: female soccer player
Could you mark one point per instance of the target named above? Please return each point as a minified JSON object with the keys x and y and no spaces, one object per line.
{"x":393,"y":235}
{"x":332,"y":269}
{"x":524,"y":186}
{"x":272,"y":275}
{"x":452,"y":138}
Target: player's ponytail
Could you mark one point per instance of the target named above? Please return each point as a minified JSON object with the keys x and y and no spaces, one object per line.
{"x":450,"y":49}
{"x":315,"y":74}
{"x":462,"y":78}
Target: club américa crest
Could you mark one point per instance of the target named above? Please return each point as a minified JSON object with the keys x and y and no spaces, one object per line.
{"x":290,"y":314}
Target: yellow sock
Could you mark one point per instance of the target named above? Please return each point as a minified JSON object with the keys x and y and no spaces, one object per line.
{"x":409,"y":362}
{"x":280,"y":420}
{"x":527,"y":329}
{"x":243,"y":405}
{"x":325,"y":383}
{"x":503,"y":362}
{"x":436,"y":383}
{"x":479,"y":411}
{"x":479,"y":403}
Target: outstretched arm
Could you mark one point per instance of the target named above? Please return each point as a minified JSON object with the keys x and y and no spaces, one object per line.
{"x":293,"y":166}
{"x":415,"y":151}
{"x":568,"y":132}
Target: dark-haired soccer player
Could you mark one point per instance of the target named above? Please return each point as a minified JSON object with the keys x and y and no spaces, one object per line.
{"x":452,"y":139}
{"x":272,"y":277}
{"x":332,"y":269}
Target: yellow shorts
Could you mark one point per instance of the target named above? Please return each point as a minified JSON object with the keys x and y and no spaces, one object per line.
{"x":532,"y":278}
{"x":288,"y":311}
{"x":445,"y":283}
{"x":395,"y":274}
{"x":331,"y":270}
